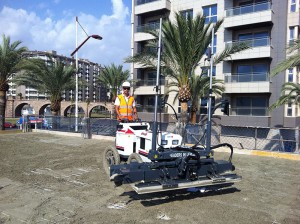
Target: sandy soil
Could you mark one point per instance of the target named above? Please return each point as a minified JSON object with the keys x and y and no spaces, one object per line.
{"x":48,"y":178}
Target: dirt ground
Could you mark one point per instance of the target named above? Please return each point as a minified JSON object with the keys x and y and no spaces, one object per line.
{"x":47,"y":178}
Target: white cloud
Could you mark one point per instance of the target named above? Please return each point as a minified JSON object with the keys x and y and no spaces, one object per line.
{"x":48,"y":34}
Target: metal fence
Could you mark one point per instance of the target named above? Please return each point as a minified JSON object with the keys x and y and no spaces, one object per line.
{"x":258,"y":138}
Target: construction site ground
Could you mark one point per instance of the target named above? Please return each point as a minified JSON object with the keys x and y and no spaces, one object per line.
{"x":46,"y":178}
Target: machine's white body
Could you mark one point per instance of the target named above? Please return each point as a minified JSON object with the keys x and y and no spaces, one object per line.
{"x":137,"y":138}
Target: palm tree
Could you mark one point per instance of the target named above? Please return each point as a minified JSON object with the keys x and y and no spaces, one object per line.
{"x":289,"y":94}
{"x":51,"y":77}
{"x":184,"y":44}
{"x":290,"y":91}
{"x":202,"y":92}
{"x":10,"y":56}
{"x":112,"y":78}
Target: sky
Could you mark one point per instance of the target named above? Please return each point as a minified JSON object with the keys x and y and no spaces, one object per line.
{"x":47,"y":25}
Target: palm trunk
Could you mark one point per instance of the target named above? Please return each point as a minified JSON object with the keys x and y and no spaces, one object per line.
{"x":194,"y":110}
{"x":193,"y":117}
{"x":184,"y":112}
{"x":2,"y":109}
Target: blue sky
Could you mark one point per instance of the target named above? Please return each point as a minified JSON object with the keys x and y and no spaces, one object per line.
{"x":47,"y":25}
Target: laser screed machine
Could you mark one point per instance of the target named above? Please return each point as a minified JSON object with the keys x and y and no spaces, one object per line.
{"x":157,"y":161}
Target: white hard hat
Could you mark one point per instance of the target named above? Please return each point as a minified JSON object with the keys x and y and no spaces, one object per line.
{"x":126,"y":84}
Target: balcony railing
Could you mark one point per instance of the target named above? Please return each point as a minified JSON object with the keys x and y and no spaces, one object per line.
{"x":140,"y":2}
{"x":146,"y":27}
{"x":254,"y":42}
{"x":250,"y":111}
{"x":246,"y":77}
{"x":248,"y":9}
{"x":149,"y":82}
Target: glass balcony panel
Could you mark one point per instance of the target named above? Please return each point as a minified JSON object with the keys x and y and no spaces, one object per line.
{"x":261,"y":7}
{"x":253,"y":42}
{"x":250,"y":111}
{"x":147,"y":27}
{"x":248,"y":9}
{"x":140,"y":2}
{"x":247,"y":77}
{"x":261,"y":42}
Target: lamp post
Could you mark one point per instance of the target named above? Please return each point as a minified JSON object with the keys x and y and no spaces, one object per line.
{"x":97,"y":37}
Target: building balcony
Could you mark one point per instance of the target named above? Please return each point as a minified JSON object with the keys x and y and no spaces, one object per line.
{"x":146,"y":6}
{"x":260,"y":48}
{"x":249,"y":14}
{"x":247,"y":83}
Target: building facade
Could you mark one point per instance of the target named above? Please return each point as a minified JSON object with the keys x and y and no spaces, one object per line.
{"x":88,"y":71}
{"x":269,"y":26}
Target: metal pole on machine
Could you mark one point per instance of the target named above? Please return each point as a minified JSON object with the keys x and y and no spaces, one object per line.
{"x":154,"y":129}
{"x":211,"y":59}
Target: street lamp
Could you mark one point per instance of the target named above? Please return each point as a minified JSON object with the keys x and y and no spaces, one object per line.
{"x":97,"y":37}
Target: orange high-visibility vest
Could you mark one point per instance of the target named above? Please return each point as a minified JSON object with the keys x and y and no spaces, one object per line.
{"x":126,"y":108}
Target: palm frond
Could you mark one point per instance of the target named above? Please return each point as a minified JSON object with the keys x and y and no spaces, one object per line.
{"x":290,"y":93}
{"x":230,"y":50}
{"x":290,"y":62}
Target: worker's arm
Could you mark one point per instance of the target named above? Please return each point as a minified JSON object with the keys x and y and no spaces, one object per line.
{"x":118,"y":112}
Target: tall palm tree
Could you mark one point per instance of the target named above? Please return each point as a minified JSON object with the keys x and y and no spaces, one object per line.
{"x":10,"y":56}
{"x":112,"y":78}
{"x":184,"y":44}
{"x":51,"y":77}
{"x":290,"y":91}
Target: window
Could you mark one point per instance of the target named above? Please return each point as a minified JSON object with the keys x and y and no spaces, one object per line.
{"x":206,"y":70}
{"x":210,"y":13}
{"x":293,"y":5}
{"x":187,"y":13}
{"x":151,"y":75}
{"x":289,"y":111}
{"x":204,"y":104}
{"x":214,"y":48}
{"x":253,"y":106}
{"x":292,"y":35}
{"x":290,"y":75}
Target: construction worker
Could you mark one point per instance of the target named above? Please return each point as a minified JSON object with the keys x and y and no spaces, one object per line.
{"x":125,"y":105}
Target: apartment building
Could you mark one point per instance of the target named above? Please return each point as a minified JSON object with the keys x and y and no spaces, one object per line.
{"x":270,"y":26}
{"x":87,"y":72}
